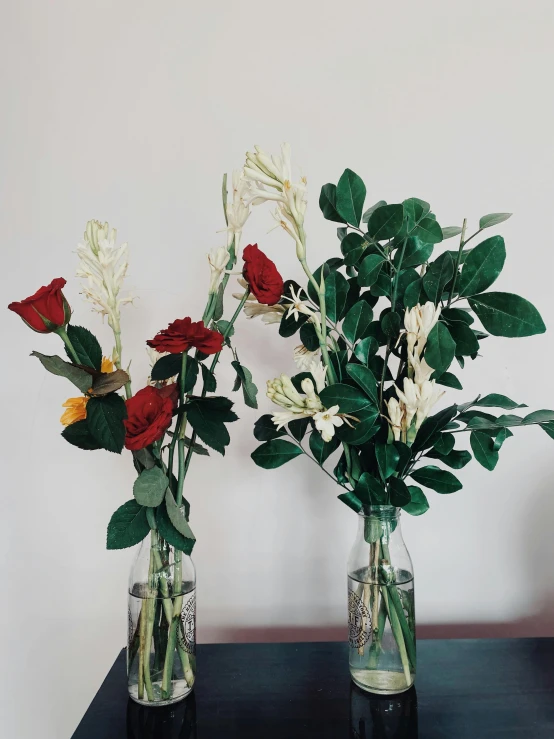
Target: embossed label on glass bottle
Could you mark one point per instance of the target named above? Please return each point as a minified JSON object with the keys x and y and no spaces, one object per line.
{"x":187,"y":632}
{"x":359,"y":621}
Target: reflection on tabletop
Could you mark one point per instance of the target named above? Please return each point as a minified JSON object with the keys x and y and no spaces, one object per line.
{"x":383,"y":717}
{"x":177,"y":721}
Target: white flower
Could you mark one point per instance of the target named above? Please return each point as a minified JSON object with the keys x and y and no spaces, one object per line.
{"x":326,"y":421}
{"x":238,"y":210}
{"x":411,"y":324}
{"x":312,"y":401}
{"x":282,"y":392}
{"x":303,"y":357}
{"x":422,"y":371}
{"x":218,"y":260}
{"x":318,"y":371}
{"x":418,"y":322}
{"x":428,"y":397}
{"x":103,"y":265}
{"x":396,"y":414}
{"x":297,"y":306}
{"x":410,"y":398}
{"x":252,"y":309}
{"x":428,"y":317}
{"x":281,"y":418}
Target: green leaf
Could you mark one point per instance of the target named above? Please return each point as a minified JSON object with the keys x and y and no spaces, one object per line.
{"x":428,"y":230}
{"x":399,"y":492}
{"x":456,"y":315}
{"x":449,"y":231}
{"x":418,"y":504}
{"x":415,"y":210}
{"x":352,"y":247}
{"x":56,"y":366}
{"x":501,"y":437}
{"x":357,"y":321}
{"x":349,"y":399}
{"x":482,"y":266}
{"x":208,"y":416}
{"x":79,"y":435}
{"x":275,"y":453}
{"x":218,"y":309}
{"x":430,"y":428}
{"x":225,"y":329}
{"x":385,"y":222}
{"x":387,"y":459}
{"x":150,"y":486}
{"x":415,"y":253}
{"x":542,"y":416}
{"x":128,"y":526}
{"x":351,"y":501}
{"x":298,"y":428}
{"x":105,"y":417}
{"x":309,"y":337}
{"x":440,"y":348}
{"x":369,"y":211}
{"x":328,"y":203}
{"x":350,"y":197}
{"x":370,"y":269}
{"x":493,"y":219}
{"x":366,"y":348}
{"x":465,"y":339}
{"x":177,"y":517}
{"x":390,"y":323}
{"x":483,"y":450}
{"x":168,"y":532}
{"x":208,"y":378}
{"x":438,"y":480}
{"x":320,"y":449}
{"x":548,"y":428}
{"x":444,"y":444}
{"x":86,"y":346}
{"x":249,"y":390}
{"x":370,"y":490}
{"x":438,"y":274}
{"x":456,"y":459}
{"x":412,"y":293}
{"x":191,"y":374}
{"x":505,"y":314}
{"x":365,"y":378}
{"x":495,"y":400}
{"x":447,"y":379}
{"x":167,"y":367}
{"x":196,"y":447}
{"x":265,"y":429}
{"x":363,"y":429}
{"x":336,"y":290}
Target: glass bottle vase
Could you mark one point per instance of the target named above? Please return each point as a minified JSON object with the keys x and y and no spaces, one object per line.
{"x":381,"y":608}
{"x":161,"y":663}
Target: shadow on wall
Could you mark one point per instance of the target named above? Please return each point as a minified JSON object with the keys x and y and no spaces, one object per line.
{"x":535,"y":528}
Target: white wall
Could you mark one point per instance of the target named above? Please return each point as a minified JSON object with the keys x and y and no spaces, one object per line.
{"x":130,"y":112}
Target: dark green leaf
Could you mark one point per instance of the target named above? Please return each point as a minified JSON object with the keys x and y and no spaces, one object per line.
{"x":370,"y":269}
{"x":439,"y":480}
{"x":352,"y":247}
{"x":385,"y":222}
{"x":427,"y":434}
{"x":79,"y":435}
{"x":505,"y":314}
{"x":466,"y":341}
{"x":298,"y":428}
{"x":218,"y":308}
{"x":196,"y":447}
{"x":390,"y":323}
{"x":444,"y":444}
{"x":440,"y":348}
{"x":265,"y":429}
{"x":415,"y":210}
{"x":56,"y":365}
{"x":191,"y":374}
{"x":340,"y":471}
{"x":208,"y":416}
{"x":387,"y":459}
{"x":501,"y":437}
{"x":438,"y":274}
{"x":493,"y":219}
{"x":170,"y":534}
{"x":357,"y":321}
{"x":366,"y":348}
{"x":275,"y":453}
{"x":249,"y":390}
{"x":351,"y":501}
{"x":370,"y":490}
{"x":447,"y":379}
{"x":338,"y":362}
{"x":365,"y":378}
{"x":128,"y":526}
{"x":415,"y":253}
{"x":369,"y":211}
{"x":167,"y":367}
{"x":208,"y":378}
{"x":548,"y":428}
{"x":405,"y":455}
{"x":328,"y":203}
{"x":542,"y":416}
{"x":349,"y":399}
{"x":483,"y":450}
{"x":336,"y":290}
{"x":482,"y":266}
{"x":412,"y":293}
{"x":399,"y":492}
{"x":429,"y":231}
{"x":456,"y":315}
{"x":289,"y":324}
{"x":320,"y":449}
{"x":418,"y":503}
{"x":495,"y":400}
{"x":456,"y":459}
{"x":308,"y":337}
{"x":86,"y":346}
{"x":105,"y":417}
{"x":150,"y":486}
{"x":350,"y":196}
{"x":363,"y":429}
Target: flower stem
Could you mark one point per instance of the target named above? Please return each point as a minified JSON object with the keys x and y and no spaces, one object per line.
{"x":458,"y":260}
{"x":65,"y":338}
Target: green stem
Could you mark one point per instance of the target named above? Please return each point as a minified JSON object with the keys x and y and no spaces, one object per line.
{"x":397,"y":631}
{"x":65,"y":338}
{"x":458,"y":260}
{"x":393,"y":306}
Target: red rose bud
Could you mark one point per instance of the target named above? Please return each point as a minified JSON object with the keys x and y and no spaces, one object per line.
{"x":46,"y":310}
{"x":183,"y":334}
{"x":149,"y":414}
{"x":262,"y":276}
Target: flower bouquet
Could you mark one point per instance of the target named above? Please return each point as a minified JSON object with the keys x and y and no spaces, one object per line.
{"x":175,"y":416}
{"x":381,"y":326}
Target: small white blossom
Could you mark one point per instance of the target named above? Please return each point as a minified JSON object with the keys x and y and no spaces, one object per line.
{"x":281,"y":418}
{"x":418,"y":322}
{"x":252,"y":309}
{"x":312,"y":400}
{"x":428,"y":396}
{"x":422,"y":371}
{"x":297,"y":306}
{"x":318,"y":371}
{"x":396,"y":415}
{"x":238,"y":210}
{"x":410,"y":399}
{"x":303,"y":357}
{"x":218,"y":260}
{"x":326,"y":421}
{"x":103,"y":265}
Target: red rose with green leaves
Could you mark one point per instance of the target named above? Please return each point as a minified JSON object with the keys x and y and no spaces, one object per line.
{"x":46,"y":310}
{"x":183,"y":334}
{"x":262,"y":276}
{"x":149,"y":415}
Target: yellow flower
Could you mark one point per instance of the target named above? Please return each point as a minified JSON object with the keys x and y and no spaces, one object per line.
{"x":76,"y":410}
{"x":77,"y":407}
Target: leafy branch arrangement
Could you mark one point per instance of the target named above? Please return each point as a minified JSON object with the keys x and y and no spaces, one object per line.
{"x":175,"y":416}
{"x":380,"y":327}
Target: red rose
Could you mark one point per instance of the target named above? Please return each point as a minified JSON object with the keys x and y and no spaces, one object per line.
{"x":180,"y":335}
{"x":262,"y":276}
{"x":149,"y":414}
{"x":46,"y":310}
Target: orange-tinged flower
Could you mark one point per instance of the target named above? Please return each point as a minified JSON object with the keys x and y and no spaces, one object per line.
{"x":76,"y":410}
{"x":107,"y":365}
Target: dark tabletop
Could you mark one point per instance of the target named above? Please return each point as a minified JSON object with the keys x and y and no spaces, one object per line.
{"x":465,"y":689}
